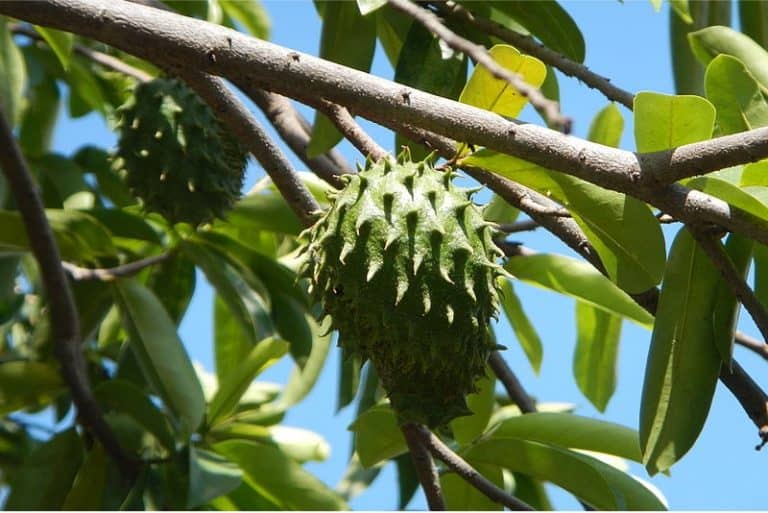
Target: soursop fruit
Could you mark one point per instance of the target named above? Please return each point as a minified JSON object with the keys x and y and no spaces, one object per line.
{"x":404,"y":264}
{"x":176,"y":156}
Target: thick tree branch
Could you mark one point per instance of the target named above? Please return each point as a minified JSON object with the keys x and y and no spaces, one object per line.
{"x":177,"y":41}
{"x":716,"y":253}
{"x":530,"y":46}
{"x":481,"y":56}
{"x":466,"y":472}
{"x":425,"y":467}
{"x":65,"y":328}
{"x":352,"y":131}
{"x":750,"y":396}
{"x":113,"y":273}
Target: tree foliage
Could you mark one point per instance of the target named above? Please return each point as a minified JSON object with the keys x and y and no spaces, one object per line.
{"x":138,"y":425}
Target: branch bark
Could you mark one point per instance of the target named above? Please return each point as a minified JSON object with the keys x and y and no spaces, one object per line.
{"x":65,"y":328}
{"x":113,"y":273}
{"x":425,"y":467}
{"x":511,"y":384}
{"x":352,"y":131}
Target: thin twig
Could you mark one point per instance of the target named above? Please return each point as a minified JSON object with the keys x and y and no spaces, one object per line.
{"x":716,"y":253}
{"x":530,"y":46}
{"x":244,"y":126}
{"x":347,"y":125}
{"x":754,"y":345}
{"x":466,"y":472}
{"x":750,"y":396}
{"x":113,"y":273}
{"x":512,"y":385}
{"x":65,"y":328}
{"x":526,"y":225}
{"x":480,"y":55}
{"x":425,"y":467}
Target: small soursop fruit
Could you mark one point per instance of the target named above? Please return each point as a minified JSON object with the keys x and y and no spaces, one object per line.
{"x":404,"y":264}
{"x":178,"y":158}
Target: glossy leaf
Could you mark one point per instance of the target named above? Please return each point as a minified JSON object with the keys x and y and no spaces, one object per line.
{"x":709,"y":42}
{"x":572,"y":432}
{"x":234,"y":384}
{"x":753,"y":20}
{"x":14,"y":74}
{"x":161,"y":353}
{"x":663,"y":121}
{"x":377,"y":435}
{"x":524,"y":330}
{"x":579,"y":280}
{"x":46,"y":476}
{"x":300,"y":444}
{"x":250,"y":14}
{"x":279,"y":478}
{"x":740,"y":103}
{"x":210,"y":475}
{"x":342,"y":23}
{"x":463,"y":496}
{"x":623,"y":230}
{"x":368,"y":6}
{"x":596,"y":353}
{"x":60,"y":42}
{"x":726,"y":312}
{"x":683,"y":361}
{"x":486,"y":92}
{"x":468,"y":428}
{"x":596,"y":483}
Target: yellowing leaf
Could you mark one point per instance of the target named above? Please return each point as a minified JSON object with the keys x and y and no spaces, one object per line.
{"x":485,"y":91}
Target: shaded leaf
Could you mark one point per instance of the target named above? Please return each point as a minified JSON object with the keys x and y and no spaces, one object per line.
{"x":24,"y":383}
{"x":683,"y":362}
{"x":349,"y":378}
{"x":392,"y":27}
{"x":60,"y":42}
{"x":377,"y":435}
{"x":468,"y":428}
{"x":524,"y":330}
{"x":39,"y":118}
{"x":709,"y":42}
{"x":740,"y":103}
{"x":726,"y":312}
{"x":210,"y":475}
{"x":14,"y":74}
{"x":753,"y":20}
{"x":407,"y":480}
{"x":462,"y":496}
{"x":264,"y":212}
{"x":88,"y":487}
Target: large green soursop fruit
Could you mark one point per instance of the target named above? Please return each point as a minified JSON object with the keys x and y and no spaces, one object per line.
{"x":403,"y":262}
{"x":176,"y":156}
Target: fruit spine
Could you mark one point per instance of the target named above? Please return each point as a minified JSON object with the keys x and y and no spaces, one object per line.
{"x":404,"y":264}
{"x":176,"y":156}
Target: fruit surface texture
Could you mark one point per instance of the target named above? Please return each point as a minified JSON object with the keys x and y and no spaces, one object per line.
{"x":177,"y":157}
{"x":405,"y":265}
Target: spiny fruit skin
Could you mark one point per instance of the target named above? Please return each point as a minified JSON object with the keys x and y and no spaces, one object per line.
{"x":404,"y":264}
{"x":178,"y":158}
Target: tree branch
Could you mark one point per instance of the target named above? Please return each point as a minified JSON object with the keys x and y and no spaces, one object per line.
{"x":512,"y":385}
{"x":716,"y":253}
{"x":179,"y":41}
{"x":530,"y":46}
{"x":754,"y":345}
{"x":65,"y":328}
{"x":481,"y":56}
{"x":113,"y":273}
{"x":750,"y":396}
{"x":352,"y":131}
{"x":526,"y":225}
{"x":466,"y":472}
{"x":425,"y":467}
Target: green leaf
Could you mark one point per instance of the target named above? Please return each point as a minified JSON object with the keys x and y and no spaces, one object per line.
{"x":524,"y":330}
{"x":39,"y":118}
{"x":497,"y":210}
{"x":85,"y":92}
{"x":233,"y":385}
{"x":250,"y":14}
{"x":173,"y":282}
{"x":737,"y":196}
{"x":594,"y":359}
{"x":596,"y":483}
{"x":463,"y":496}
{"x":45,"y":478}
{"x":342,"y":23}
{"x":726,"y":311}
{"x":300,"y":444}
{"x":124,"y":224}
{"x":279,"y":478}
{"x":349,"y":378}
{"x":466,"y":429}
{"x":357,"y":479}
{"x":210,"y":476}
{"x":407,"y":480}
{"x":623,"y":230}
{"x":368,"y":6}
{"x":681,"y":8}
{"x":532,"y":492}
{"x":607,"y":126}
{"x":161,"y":353}
{"x":88,"y":487}
{"x":709,"y":42}
{"x":740,"y":103}
{"x":97,"y":161}
{"x":392,"y":27}
{"x":267,"y":212}
{"x":579,"y":280}
{"x":377,"y":435}
{"x":663,"y":121}
{"x":683,"y":362}
{"x":24,"y":383}
{"x":760,"y":257}
{"x":69,"y":187}
{"x":14,"y":74}
{"x":124,"y":397}
{"x":572,"y":432}
{"x":549,"y":22}
{"x":753,"y":20}
{"x":485,"y":91}
{"x":60,"y":42}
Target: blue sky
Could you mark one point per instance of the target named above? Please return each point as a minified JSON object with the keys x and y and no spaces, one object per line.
{"x":629,"y":43}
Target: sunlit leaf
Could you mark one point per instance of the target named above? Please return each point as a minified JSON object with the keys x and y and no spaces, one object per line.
{"x":463,"y":496}
{"x":60,"y":42}
{"x":468,"y":428}
{"x":709,"y":42}
{"x":740,"y":103}
{"x":377,"y":435}
{"x":726,"y":311}
{"x":14,"y":74}
{"x":210,"y":475}
{"x":663,"y":121}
